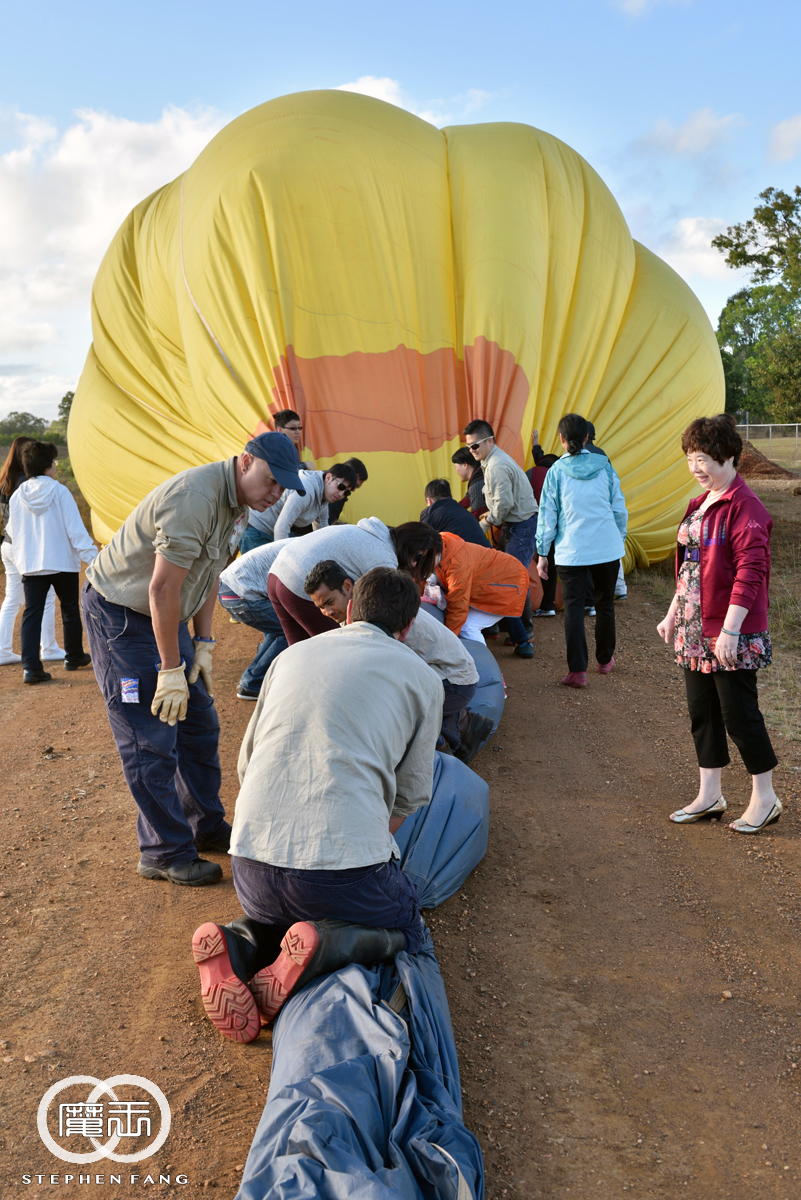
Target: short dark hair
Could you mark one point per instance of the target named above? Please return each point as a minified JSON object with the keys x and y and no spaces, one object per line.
{"x":590,"y":431}
{"x":359,"y":468}
{"x":385,"y":595}
{"x":342,"y":471}
{"x":416,"y":545}
{"x":482,"y":428}
{"x":573,"y":429}
{"x":282,"y":418}
{"x":438,"y":488}
{"x":37,"y":457}
{"x":464,"y":457}
{"x":715,"y":436}
{"x":328,"y":573}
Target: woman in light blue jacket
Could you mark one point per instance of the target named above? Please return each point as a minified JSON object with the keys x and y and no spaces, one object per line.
{"x":583,"y":514}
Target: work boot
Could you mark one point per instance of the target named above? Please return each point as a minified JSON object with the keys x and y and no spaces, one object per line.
{"x":75,"y":664}
{"x":197,"y":873}
{"x":36,"y":676}
{"x":227,"y":957}
{"x":217,"y":843}
{"x":480,"y":729}
{"x":313,"y":948}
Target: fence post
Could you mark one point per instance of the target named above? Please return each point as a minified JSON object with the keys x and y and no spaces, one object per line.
{"x":770,"y":433}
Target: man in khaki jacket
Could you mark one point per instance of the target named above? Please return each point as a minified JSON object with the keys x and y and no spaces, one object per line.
{"x":160,"y":571}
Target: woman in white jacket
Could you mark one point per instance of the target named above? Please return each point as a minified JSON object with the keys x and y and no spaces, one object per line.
{"x":50,"y":541}
{"x":11,"y":476}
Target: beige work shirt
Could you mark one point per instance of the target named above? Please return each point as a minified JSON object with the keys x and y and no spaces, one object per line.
{"x":507,"y":491}
{"x":193,"y":520}
{"x":342,"y":739}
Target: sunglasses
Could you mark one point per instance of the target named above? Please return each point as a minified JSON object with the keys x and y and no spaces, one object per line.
{"x":471,"y":446}
{"x":344,"y":488}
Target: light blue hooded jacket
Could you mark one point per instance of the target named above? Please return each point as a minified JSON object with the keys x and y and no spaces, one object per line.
{"x":582,"y":511}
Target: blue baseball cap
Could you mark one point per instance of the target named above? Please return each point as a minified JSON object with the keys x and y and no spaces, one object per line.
{"x":279,"y":452}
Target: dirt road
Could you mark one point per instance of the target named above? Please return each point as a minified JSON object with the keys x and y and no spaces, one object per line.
{"x":587,"y":959}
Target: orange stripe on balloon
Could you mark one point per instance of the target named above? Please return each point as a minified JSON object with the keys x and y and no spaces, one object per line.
{"x":401,"y":400}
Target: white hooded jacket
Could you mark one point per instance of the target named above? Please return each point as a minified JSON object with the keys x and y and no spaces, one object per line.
{"x":46,"y":529}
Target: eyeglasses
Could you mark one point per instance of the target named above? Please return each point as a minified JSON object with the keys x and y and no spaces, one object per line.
{"x":341,"y":486}
{"x":471,"y":446}
{"x":292,"y":428}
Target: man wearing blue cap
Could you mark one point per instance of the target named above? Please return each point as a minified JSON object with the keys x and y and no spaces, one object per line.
{"x":160,"y":571}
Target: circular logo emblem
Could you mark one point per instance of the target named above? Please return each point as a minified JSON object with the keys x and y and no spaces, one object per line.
{"x":103,"y":1111}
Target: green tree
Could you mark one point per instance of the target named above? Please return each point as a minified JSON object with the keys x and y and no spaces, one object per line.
{"x":769,"y":243}
{"x":57,"y":430}
{"x":752,"y":318}
{"x":778,"y":372}
{"x":17,"y":423}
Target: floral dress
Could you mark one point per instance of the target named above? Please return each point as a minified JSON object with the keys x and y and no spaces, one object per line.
{"x":693,"y":650}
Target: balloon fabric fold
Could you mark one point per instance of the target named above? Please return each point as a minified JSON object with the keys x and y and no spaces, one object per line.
{"x":389,"y":281}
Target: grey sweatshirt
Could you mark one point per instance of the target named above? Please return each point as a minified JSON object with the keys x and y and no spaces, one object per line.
{"x":357,"y":549}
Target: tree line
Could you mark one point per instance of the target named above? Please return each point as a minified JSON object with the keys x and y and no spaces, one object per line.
{"x":25,"y":424}
{"x":759,"y":331}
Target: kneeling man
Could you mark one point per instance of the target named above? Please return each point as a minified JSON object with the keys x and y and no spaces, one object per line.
{"x":338,"y":752}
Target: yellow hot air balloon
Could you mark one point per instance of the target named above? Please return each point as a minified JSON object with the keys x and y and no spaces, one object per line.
{"x":389,"y":281}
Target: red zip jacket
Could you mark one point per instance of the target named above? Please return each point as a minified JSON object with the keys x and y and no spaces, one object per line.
{"x":735,"y":558}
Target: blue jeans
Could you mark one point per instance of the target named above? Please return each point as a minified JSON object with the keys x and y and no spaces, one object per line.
{"x":253,"y":537}
{"x":173,"y":772}
{"x":522,"y":540}
{"x":258,"y":614}
{"x":381,"y":896}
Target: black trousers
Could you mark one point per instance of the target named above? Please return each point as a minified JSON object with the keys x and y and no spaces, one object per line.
{"x":724,"y":701}
{"x":66,"y":586}
{"x":574,"y":586}
{"x":549,"y":584}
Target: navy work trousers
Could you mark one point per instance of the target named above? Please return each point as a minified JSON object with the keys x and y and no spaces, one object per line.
{"x":173,"y":771}
{"x":381,"y":896}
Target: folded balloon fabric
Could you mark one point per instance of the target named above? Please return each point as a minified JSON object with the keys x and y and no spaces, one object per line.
{"x":389,"y":281}
{"x":364,"y":1099}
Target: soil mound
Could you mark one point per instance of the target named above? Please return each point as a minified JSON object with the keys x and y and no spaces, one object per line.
{"x":754,"y":465}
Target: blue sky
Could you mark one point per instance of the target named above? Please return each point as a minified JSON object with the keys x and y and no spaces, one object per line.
{"x":687,"y":108}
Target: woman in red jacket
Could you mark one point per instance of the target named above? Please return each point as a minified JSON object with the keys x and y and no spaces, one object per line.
{"x":718,"y":622}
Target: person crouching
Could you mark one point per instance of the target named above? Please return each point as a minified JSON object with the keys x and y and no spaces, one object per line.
{"x":314,"y":860}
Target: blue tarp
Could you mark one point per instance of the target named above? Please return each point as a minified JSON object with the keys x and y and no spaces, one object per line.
{"x":489,"y":697}
{"x":364,"y":1102}
{"x":442,"y":843}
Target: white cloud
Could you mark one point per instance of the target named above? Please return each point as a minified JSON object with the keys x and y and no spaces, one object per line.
{"x":62,"y":197}
{"x":689,"y":251}
{"x":699,"y":133}
{"x":785,"y":139}
{"x":384,"y":88}
{"x":39,"y":395}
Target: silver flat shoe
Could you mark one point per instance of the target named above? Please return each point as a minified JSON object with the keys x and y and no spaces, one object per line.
{"x":715,"y":811}
{"x":741,"y":826}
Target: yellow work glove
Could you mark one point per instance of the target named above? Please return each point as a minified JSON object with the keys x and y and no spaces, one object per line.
{"x":172,"y":695}
{"x":204,"y":647}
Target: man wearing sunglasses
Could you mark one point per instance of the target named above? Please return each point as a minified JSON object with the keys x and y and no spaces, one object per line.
{"x":507,"y":492}
{"x":287,"y":519}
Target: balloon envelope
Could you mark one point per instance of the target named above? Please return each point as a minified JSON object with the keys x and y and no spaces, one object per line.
{"x":389,"y":281}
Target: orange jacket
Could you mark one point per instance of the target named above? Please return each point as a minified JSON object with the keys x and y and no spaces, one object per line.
{"x":485,"y":579}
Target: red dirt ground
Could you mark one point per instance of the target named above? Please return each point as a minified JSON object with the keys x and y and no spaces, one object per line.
{"x":586,"y":959}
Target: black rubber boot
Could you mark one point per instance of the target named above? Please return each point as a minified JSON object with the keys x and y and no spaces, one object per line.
{"x":480,"y":729}
{"x":314,"y":948}
{"x":227,"y":956}
{"x":251,"y":946}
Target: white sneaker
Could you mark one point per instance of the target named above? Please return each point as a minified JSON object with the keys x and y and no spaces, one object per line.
{"x":54,"y":655}
{"x":7,"y":659}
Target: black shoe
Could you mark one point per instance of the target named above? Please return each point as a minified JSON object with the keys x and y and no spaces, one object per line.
{"x":196,"y":873}
{"x":480,"y":730}
{"x":218,"y":843}
{"x":313,"y":948}
{"x":491,"y":631}
{"x":243,"y":693}
{"x":524,"y":650}
{"x":74,"y":664}
{"x":35,"y":676}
